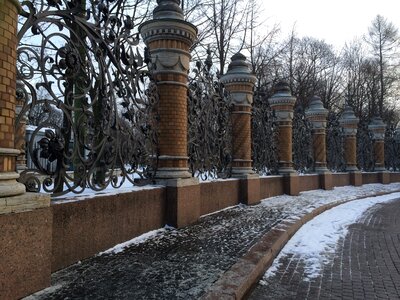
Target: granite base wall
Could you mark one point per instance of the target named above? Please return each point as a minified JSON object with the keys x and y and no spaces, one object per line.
{"x":368,"y":178}
{"x":218,"y":195}
{"x":271,"y":186}
{"x":309,"y":182}
{"x":341,"y":179}
{"x":83,"y":228}
{"x":25,"y":251}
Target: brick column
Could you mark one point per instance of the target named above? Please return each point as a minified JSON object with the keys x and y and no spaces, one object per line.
{"x":169,"y":39}
{"x":8,"y":45}
{"x":239,"y":82}
{"x":349,"y":123}
{"x":317,"y":114}
{"x":377,"y":127}
{"x":282,"y":102}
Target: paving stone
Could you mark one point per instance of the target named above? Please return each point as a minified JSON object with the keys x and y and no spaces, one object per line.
{"x":365,"y":265}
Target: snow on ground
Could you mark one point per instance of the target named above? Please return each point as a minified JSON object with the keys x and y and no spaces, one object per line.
{"x":88,"y":193}
{"x":317,"y":239}
{"x":308,"y":201}
{"x":136,"y":241}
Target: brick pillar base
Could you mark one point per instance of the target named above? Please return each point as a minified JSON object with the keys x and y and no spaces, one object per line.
{"x":183,"y":202}
{"x":384,"y":177}
{"x":326,"y":181}
{"x":250,"y":190}
{"x":291,"y":184}
{"x":356,"y":178}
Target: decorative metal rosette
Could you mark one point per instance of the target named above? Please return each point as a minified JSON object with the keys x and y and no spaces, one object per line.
{"x":80,"y":61}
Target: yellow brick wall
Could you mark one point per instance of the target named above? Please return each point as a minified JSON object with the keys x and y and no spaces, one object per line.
{"x":8,"y":44}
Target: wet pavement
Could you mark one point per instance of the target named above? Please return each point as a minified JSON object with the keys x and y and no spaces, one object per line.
{"x":364,"y":265}
{"x":184,"y":263}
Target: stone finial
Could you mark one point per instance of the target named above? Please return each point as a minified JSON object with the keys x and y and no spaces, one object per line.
{"x":349,"y":121}
{"x":377,"y":127}
{"x":239,"y":80}
{"x":282,"y":87}
{"x":348,"y":116}
{"x":168,"y":9}
{"x":282,"y":101}
{"x":317,"y":113}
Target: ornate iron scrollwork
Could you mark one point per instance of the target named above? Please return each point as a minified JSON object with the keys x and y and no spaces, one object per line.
{"x":209,"y":134}
{"x":335,"y":144}
{"x":264,"y":136}
{"x":365,"y":147}
{"x":83,"y":61}
{"x":392,"y":148}
{"x":303,"y":159}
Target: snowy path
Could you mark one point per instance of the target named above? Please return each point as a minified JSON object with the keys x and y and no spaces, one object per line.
{"x":330,"y":245}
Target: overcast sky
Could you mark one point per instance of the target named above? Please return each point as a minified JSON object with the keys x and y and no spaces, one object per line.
{"x":334,"y":21}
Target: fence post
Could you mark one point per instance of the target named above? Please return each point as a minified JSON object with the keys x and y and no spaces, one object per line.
{"x":8,"y":55}
{"x":169,"y":39}
{"x":317,"y":115}
{"x":349,"y":122}
{"x":282,"y":102}
{"x":377,"y":127}
{"x":239,"y":82}
{"x":25,"y":218}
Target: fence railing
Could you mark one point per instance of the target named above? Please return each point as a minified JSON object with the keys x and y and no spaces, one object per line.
{"x":82,"y":76}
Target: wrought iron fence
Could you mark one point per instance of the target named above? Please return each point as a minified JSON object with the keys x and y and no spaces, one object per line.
{"x":83,"y":60}
{"x":264,"y":136}
{"x":365,"y":147}
{"x":335,"y":144}
{"x":209,"y":132}
{"x":392,"y":148}
{"x":303,"y":159}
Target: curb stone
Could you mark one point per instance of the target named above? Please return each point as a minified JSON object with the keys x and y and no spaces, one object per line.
{"x":239,"y":280}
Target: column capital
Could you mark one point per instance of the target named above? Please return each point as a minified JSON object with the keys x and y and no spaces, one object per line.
{"x":377,"y":127}
{"x":239,"y":80}
{"x":282,"y":102}
{"x":349,"y":121}
{"x":317,"y":113}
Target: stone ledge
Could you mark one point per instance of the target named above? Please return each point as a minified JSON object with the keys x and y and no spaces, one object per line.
{"x":24,"y":202}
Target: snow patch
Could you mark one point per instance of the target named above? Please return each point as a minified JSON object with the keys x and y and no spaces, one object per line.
{"x":317,"y":239}
{"x":136,"y":241}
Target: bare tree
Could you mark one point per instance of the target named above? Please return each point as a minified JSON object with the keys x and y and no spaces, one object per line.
{"x":383,"y":39}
